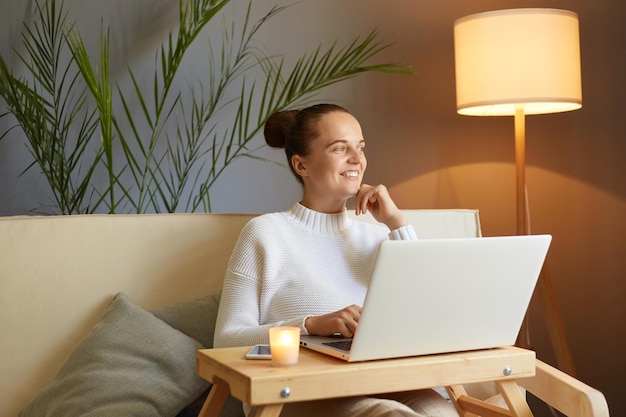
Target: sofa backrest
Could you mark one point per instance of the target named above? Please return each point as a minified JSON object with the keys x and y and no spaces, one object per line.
{"x":58,"y":274}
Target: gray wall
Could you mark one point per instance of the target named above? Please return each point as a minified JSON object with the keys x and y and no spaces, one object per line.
{"x":430,"y":157}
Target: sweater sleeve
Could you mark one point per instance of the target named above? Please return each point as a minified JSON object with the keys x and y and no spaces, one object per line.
{"x":403,"y":233}
{"x":238,"y":322}
{"x":239,"y":317}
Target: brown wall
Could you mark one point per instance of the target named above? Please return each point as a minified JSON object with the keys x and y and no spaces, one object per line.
{"x":430,"y":157}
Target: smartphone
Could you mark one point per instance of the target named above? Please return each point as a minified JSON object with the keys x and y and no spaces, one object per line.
{"x":259,"y":352}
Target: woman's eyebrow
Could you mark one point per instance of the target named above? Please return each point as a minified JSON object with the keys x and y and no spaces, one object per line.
{"x":343,"y":141}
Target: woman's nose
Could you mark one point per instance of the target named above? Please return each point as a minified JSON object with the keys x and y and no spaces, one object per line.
{"x":354,"y":155}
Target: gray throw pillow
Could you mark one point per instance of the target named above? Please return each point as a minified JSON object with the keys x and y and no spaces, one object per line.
{"x":195,"y":318}
{"x":130,"y":364}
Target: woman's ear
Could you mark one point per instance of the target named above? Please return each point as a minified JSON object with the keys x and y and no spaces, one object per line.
{"x":299,"y":166}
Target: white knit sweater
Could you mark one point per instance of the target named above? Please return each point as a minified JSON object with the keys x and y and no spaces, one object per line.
{"x":290,"y":265}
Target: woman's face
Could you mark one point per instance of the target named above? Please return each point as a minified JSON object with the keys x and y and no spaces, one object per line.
{"x":333,"y":170}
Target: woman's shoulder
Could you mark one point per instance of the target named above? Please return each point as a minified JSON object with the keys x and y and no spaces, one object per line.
{"x":263,"y":225}
{"x":264,"y":220}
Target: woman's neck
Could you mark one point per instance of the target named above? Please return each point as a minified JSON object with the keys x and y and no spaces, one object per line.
{"x":320,"y":222}
{"x":324,"y":206}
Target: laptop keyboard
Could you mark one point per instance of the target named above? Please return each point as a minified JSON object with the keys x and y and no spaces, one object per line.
{"x":340,"y":344}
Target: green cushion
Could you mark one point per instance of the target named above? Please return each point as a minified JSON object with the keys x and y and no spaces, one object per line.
{"x":130,"y":364}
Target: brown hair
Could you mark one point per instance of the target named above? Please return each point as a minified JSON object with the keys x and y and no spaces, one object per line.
{"x":295,"y":129}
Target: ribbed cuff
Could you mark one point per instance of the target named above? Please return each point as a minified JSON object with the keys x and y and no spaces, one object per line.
{"x":406,"y":232}
{"x":297,"y":322}
{"x":303,"y":330}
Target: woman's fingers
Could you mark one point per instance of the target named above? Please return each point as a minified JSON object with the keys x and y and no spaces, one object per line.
{"x":376,"y":199}
{"x":344,"y":321}
{"x":349,"y":320}
{"x":366,"y":197}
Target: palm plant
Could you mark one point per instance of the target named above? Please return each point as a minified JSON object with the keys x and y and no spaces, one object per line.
{"x":167,"y":158}
{"x":51,"y":108}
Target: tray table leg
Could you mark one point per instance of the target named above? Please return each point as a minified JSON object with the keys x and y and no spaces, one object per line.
{"x":514,"y":398}
{"x":220,"y":391}
{"x":268,"y":410}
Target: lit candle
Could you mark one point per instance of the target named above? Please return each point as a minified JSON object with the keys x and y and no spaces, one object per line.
{"x":285,"y":345}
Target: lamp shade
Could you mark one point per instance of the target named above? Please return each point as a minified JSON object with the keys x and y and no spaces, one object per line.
{"x":507,"y":60}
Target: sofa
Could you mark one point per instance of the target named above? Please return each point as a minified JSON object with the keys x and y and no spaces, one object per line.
{"x":102,"y":314}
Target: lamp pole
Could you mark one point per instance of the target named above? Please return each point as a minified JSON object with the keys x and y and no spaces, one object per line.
{"x":521,"y":201}
{"x":520,"y":170}
{"x":545,"y":290}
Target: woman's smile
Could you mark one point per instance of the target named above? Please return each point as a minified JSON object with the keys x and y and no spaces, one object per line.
{"x":354,"y":175}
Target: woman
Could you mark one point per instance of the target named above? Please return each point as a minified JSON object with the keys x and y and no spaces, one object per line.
{"x":309,"y":266}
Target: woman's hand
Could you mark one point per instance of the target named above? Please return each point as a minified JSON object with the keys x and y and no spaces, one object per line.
{"x":376,"y":200}
{"x":344,"y":321}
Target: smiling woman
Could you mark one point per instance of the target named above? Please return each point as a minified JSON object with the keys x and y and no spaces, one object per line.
{"x":325,"y":150}
{"x":333,"y":170}
{"x":330,"y":158}
{"x":309,"y":267}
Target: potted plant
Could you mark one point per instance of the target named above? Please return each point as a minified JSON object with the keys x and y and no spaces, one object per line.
{"x":100,"y":155}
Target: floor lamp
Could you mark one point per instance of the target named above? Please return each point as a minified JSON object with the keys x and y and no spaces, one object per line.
{"x":521,"y":62}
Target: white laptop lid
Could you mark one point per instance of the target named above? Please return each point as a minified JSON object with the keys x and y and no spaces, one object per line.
{"x":446,"y":295}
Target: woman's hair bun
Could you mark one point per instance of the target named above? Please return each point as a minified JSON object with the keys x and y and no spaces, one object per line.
{"x":278,"y":126}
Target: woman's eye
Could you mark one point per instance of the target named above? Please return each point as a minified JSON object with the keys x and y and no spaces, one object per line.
{"x":340,"y":148}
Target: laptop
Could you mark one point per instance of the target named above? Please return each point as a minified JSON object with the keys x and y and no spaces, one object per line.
{"x":444,"y":295}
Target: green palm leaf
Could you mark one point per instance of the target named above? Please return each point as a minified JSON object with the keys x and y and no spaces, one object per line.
{"x":167,"y":152}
